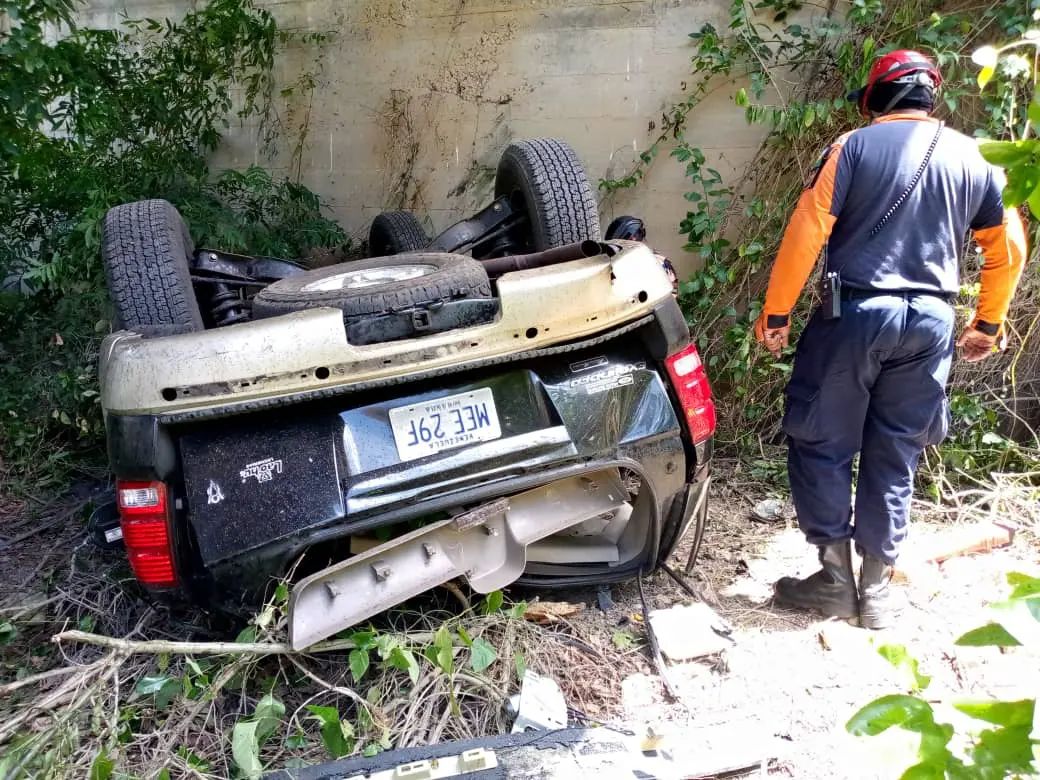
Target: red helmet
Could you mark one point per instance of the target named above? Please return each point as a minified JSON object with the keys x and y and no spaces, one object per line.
{"x":902,"y":66}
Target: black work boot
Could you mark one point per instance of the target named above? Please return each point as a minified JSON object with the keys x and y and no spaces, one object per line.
{"x":831,"y":591}
{"x":879,"y":604}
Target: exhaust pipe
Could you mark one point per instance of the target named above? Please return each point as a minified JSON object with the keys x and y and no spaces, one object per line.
{"x":561,"y":254}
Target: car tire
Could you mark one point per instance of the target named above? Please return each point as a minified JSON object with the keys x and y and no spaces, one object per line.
{"x":146,"y":247}
{"x":377,"y":286}
{"x":394,"y":232}
{"x":547,"y":178}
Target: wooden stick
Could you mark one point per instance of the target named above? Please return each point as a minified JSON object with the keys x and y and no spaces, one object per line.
{"x":157,"y":646}
{"x":11,"y":687}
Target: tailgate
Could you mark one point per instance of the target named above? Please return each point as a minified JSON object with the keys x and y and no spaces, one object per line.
{"x":318,"y":470}
{"x":261,"y":478}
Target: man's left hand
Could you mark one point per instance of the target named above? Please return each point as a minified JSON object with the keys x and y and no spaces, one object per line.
{"x":775,"y":340}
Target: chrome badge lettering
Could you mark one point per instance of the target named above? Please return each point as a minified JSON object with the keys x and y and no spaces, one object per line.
{"x":264,"y":470}
{"x":214,"y":495}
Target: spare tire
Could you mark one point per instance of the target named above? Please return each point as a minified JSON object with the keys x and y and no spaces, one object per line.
{"x":146,"y":247}
{"x":377,"y":286}
{"x":394,"y":232}
{"x":545,"y":179}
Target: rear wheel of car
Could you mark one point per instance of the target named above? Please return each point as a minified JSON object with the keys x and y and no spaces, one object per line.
{"x":394,"y":232}
{"x":146,"y":247}
{"x":545,"y":178}
{"x":377,"y":286}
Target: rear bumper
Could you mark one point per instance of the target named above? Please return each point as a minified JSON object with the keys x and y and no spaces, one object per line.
{"x":307,"y":353}
{"x":488,"y":546}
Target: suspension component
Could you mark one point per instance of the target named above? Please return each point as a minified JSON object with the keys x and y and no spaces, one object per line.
{"x":226,"y":305}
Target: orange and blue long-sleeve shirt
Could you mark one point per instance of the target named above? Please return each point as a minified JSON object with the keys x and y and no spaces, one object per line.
{"x":856,"y":182}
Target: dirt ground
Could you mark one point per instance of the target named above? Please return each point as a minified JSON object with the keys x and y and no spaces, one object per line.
{"x":784,"y":687}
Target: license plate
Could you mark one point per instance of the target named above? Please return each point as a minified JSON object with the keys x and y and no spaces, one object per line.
{"x":444,"y":424}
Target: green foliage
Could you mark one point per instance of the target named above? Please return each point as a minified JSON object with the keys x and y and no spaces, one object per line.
{"x":100,"y":117}
{"x":1006,"y":750}
{"x":337,"y":735}
{"x":245,"y":749}
{"x":734,"y":222}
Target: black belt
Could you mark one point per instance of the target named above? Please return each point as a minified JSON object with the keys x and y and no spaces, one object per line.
{"x":856,"y":294}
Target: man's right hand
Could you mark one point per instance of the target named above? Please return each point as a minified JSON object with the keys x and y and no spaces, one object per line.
{"x":976,"y":345}
{"x":775,"y":340}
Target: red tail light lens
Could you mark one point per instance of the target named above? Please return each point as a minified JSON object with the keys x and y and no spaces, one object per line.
{"x":144,"y":518}
{"x":694,"y":391}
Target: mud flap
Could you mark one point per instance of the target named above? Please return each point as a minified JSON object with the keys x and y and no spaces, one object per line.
{"x":486,"y":545}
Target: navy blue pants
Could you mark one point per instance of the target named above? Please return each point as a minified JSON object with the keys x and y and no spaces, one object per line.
{"x":872,"y":382}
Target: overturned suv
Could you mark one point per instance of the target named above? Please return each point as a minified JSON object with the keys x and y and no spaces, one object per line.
{"x":531,"y":411}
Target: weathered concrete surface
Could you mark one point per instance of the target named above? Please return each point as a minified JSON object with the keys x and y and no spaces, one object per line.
{"x":415,"y":100}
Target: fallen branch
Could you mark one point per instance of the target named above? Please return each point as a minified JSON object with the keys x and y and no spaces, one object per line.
{"x":157,"y":646}
{"x":11,"y":687}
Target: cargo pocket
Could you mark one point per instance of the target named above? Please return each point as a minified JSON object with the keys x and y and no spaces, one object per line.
{"x":801,"y":412}
{"x":940,"y":423}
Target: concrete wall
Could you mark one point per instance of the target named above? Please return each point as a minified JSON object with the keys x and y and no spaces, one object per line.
{"x":415,"y":100}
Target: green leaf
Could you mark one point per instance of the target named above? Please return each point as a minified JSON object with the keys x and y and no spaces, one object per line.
{"x":741,"y":98}
{"x":1023,"y":585}
{"x":467,"y":640}
{"x":520,"y":665}
{"x":268,"y":714}
{"x":517,"y":610}
{"x":1007,"y":154}
{"x":8,"y":632}
{"x":482,"y":655}
{"x":986,"y":636}
{"x":102,"y":766}
{"x":386,"y":644}
{"x":623,"y":640}
{"x":493,"y":602}
{"x":1001,"y":713}
{"x":371,"y":750}
{"x":281,"y":593}
{"x":336,"y":735}
{"x":924,"y":772}
{"x":296,"y":741}
{"x":363,"y":640}
{"x":898,"y":656}
{"x":1007,"y":750}
{"x":1034,"y":112}
{"x":984,"y":77}
{"x":881,"y":714}
{"x":402,"y":658}
{"x":1034,"y":203}
{"x":246,"y":636}
{"x":1022,"y":181}
{"x":443,"y":648}
{"x":163,"y":689}
{"x":359,"y":662}
{"x":245,"y":749}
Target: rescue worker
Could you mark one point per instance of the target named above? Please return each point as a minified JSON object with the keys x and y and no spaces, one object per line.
{"x":891,"y":205}
{"x":632,"y":229}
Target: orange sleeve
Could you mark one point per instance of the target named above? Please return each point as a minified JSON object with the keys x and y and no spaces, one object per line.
{"x":1004,"y":249}
{"x":807,"y":232}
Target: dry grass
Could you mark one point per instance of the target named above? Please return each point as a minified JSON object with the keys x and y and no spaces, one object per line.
{"x":64,"y":704}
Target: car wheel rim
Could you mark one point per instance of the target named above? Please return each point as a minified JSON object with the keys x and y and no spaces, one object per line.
{"x":369,"y":277}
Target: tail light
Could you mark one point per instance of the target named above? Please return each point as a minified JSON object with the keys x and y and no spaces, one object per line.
{"x":691,"y":386}
{"x":144,"y":519}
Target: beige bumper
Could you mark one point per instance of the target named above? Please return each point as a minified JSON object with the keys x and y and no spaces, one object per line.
{"x":308,"y":351}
